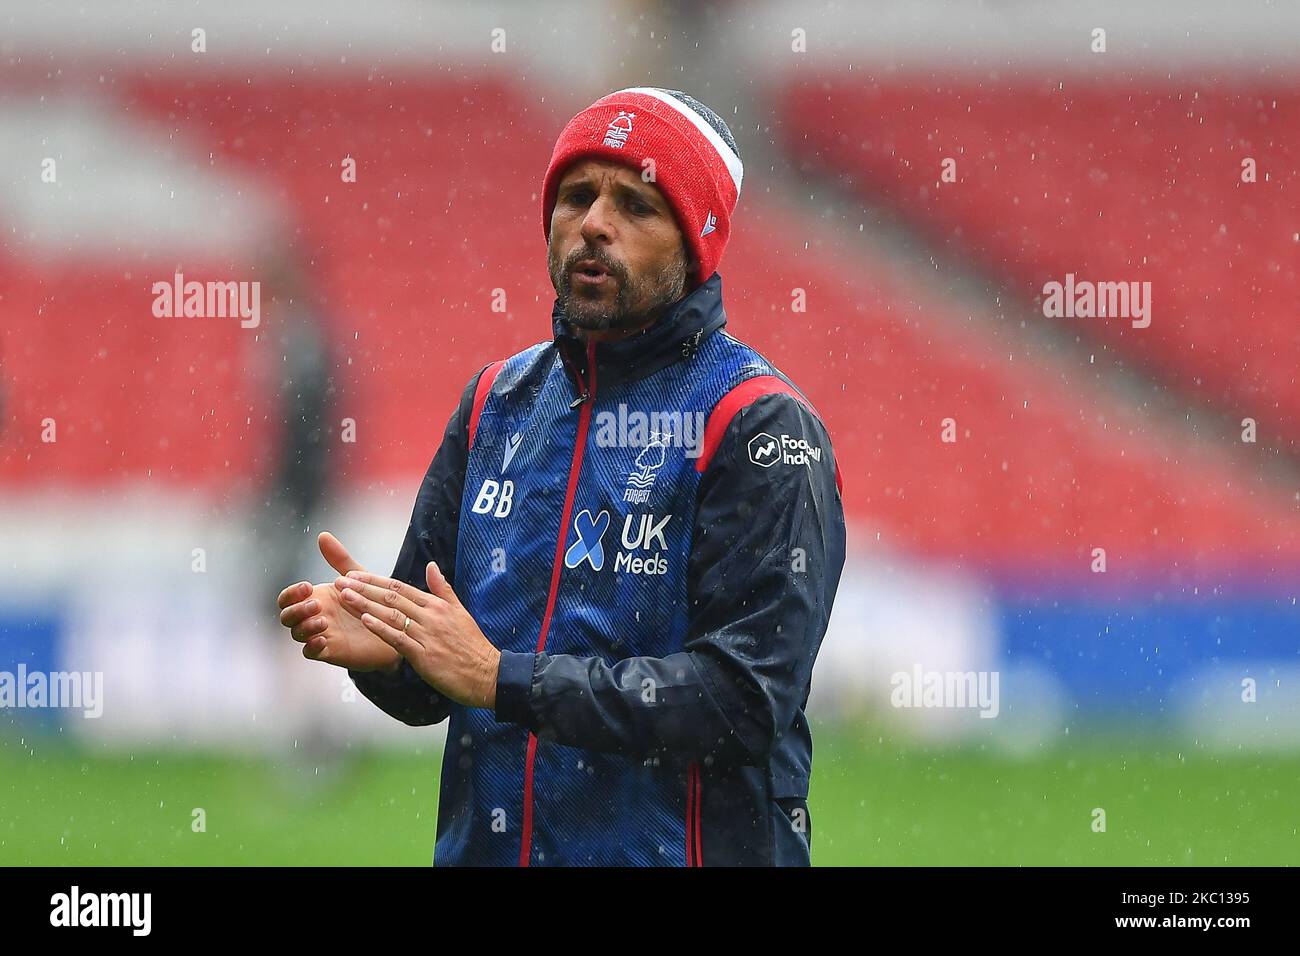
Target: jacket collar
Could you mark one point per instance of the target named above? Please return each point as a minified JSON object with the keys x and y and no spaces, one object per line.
{"x":677,"y":335}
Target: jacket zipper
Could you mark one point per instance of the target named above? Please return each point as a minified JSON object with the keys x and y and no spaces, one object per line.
{"x":586,"y":400}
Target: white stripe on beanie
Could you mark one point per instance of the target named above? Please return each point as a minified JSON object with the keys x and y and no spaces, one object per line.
{"x":729,"y":157}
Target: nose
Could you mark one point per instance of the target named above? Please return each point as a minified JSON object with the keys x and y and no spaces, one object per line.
{"x":597,"y":223}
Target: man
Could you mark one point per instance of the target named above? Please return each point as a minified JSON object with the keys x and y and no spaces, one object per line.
{"x":619,"y":621}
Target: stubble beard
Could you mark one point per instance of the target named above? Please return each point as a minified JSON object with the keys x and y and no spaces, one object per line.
{"x":636,"y":302}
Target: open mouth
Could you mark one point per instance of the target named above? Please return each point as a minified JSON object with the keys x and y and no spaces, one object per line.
{"x":589,"y":271}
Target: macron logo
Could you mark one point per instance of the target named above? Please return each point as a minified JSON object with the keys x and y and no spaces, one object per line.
{"x":512,"y":446}
{"x":710,"y":223}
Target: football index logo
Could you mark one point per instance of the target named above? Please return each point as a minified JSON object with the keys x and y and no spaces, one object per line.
{"x":766,"y":450}
{"x":762,"y":450}
{"x":588,"y":547}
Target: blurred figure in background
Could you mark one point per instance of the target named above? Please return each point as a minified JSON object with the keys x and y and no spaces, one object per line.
{"x":297,"y":367}
{"x":302,"y":384}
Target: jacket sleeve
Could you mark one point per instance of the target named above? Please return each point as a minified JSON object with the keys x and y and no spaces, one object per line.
{"x":766,"y":561}
{"x":431,"y":536}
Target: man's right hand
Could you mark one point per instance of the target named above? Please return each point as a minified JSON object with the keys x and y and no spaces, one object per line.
{"x":317,"y":619}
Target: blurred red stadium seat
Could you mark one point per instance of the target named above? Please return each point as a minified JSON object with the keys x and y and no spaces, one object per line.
{"x":445,"y":210}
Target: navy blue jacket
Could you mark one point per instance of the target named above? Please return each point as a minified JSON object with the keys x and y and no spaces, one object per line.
{"x":652,"y":532}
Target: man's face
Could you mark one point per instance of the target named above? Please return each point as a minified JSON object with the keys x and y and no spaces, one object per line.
{"x":616,"y":255}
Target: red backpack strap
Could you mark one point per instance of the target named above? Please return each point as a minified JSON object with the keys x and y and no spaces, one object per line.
{"x":481,"y":390}
{"x":741,"y":396}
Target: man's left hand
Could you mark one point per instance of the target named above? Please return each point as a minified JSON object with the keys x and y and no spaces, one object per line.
{"x":441,"y":640}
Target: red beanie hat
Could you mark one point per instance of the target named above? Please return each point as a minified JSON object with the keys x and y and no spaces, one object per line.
{"x":696,"y":164}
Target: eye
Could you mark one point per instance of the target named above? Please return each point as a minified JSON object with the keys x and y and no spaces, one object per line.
{"x":640,"y":207}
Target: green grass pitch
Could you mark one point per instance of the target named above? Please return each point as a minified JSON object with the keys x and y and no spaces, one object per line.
{"x":872,"y":802}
